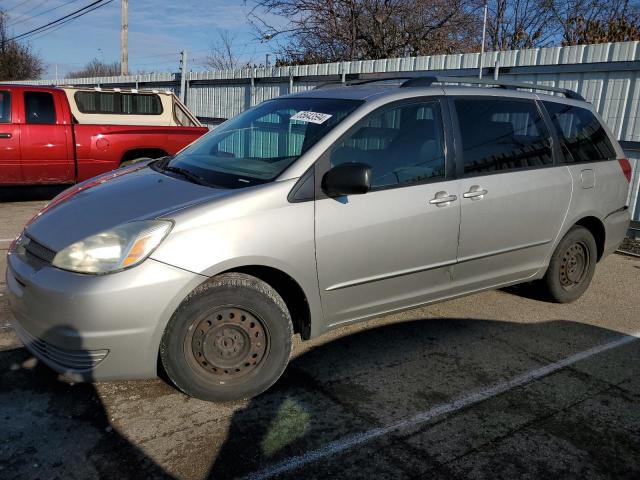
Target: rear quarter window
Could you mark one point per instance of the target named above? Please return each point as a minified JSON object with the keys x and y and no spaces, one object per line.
{"x":582,"y":137}
{"x":39,"y":108}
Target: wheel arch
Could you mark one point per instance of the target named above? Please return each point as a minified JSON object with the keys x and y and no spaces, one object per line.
{"x":134,"y":153}
{"x":289,"y":289}
{"x":597,"y":229}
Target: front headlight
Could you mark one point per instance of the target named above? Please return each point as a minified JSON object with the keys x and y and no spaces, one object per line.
{"x":112,"y":250}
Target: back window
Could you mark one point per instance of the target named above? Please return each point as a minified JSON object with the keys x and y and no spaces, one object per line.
{"x":5,"y":107}
{"x":501,"y":135}
{"x":39,"y":107}
{"x":582,"y":136}
{"x":117,"y":103}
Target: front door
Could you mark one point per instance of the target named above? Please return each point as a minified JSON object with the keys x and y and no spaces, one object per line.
{"x":396,"y":245}
{"x":514,"y":200}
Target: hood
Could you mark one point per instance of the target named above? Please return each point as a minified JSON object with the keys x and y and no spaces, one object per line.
{"x":104,"y":202}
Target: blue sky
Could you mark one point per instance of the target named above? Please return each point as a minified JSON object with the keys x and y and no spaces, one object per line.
{"x":158,"y":31}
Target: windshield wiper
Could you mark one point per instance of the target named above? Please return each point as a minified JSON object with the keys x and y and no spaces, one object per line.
{"x":192,"y":177}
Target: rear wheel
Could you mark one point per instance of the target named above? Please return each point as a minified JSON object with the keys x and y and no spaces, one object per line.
{"x":571,"y":267}
{"x":230,"y":339}
{"x":126,"y":163}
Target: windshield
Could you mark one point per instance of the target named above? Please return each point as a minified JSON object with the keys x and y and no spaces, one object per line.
{"x":260,"y":143}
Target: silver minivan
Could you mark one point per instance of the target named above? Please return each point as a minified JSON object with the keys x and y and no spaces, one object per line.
{"x":309,"y":212}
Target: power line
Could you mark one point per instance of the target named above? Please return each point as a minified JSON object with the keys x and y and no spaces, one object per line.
{"x":42,"y":13}
{"x":33,"y":8}
{"x":51,"y":29}
{"x":78,"y":13}
{"x":17,"y":6}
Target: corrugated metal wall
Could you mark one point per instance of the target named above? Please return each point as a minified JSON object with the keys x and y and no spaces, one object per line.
{"x":607,"y":75}
{"x":634,"y":193}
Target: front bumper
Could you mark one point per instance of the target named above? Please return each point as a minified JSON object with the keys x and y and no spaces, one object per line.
{"x":95,"y":328}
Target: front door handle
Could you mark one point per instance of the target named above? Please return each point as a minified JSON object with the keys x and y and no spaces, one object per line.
{"x":475,"y":193}
{"x":5,"y":135}
{"x":442,"y":199}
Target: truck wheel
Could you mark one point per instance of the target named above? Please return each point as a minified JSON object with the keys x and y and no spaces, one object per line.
{"x":571,"y":267}
{"x":126,"y":163}
{"x":230,"y":339}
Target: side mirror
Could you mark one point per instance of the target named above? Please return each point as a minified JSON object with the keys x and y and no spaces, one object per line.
{"x":347,"y":179}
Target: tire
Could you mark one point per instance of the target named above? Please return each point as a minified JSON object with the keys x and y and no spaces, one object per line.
{"x":230,"y":339}
{"x":571,"y":267}
{"x":126,"y":163}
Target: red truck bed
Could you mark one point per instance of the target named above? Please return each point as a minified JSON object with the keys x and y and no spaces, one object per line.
{"x":41,"y":144}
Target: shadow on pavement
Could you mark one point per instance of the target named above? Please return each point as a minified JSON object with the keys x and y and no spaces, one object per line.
{"x":376,"y":377}
{"x":29,"y":193}
{"x":578,"y":420}
{"x":61,"y":429}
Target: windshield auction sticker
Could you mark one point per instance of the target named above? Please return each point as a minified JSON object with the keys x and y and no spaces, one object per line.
{"x":312,"y":117}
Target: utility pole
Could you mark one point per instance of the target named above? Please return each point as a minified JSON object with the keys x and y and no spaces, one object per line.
{"x":484,"y":33}
{"x":183,"y":75}
{"x":124,"y":38}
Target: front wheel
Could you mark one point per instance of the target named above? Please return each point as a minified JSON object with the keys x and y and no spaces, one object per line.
{"x":571,"y":267}
{"x":230,"y":339}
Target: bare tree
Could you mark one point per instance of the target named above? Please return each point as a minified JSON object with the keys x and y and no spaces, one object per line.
{"x":17,"y":61}
{"x":335,"y":30}
{"x":515,"y":24}
{"x":96,"y":68}
{"x":223,"y":54}
{"x":596,"y":21}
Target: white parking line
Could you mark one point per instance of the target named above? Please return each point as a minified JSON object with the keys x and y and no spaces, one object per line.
{"x":7,"y":239}
{"x":471,"y":398}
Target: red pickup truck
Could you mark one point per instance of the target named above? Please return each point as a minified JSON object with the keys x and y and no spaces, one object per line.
{"x":51,"y":135}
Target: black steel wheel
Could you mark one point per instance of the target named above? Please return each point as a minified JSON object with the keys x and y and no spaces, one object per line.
{"x":572,"y":266}
{"x":228,"y":344}
{"x":229,"y":339}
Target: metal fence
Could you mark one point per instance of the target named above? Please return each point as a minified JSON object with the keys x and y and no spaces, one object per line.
{"x":607,"y":75}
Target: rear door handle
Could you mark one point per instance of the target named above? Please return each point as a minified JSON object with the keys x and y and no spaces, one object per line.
{"x":5,"y":135}
{"x":442,"y":199}
{"x":475,"y":192}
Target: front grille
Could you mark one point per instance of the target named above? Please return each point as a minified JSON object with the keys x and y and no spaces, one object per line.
{"x":75,"y":360}
{"x":38,"y":250}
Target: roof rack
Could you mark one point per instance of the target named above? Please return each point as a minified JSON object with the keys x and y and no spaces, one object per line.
{"x":357,"y":81}
{"x":428,"y":81}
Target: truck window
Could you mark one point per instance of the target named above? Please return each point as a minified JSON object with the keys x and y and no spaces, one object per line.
{"x":181,"y":116}
{"x":5,"y":107}
{"x":39,"y":107}
{"x":116,"y":103}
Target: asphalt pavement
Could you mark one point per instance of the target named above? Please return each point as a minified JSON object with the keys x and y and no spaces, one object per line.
{"x":495,"y":385}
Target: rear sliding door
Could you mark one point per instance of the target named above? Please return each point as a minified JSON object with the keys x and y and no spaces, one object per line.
{"x":514,"y":199}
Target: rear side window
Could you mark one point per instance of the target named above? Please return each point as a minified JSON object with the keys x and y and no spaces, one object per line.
{"x":116,"y":103}
{"x":501,"y":134}
{"x":5,"y":107}
{"x":582,"y":137}
{"x":181,"y":116}
{"x":403,"y":145}
{"x":39,"y":107}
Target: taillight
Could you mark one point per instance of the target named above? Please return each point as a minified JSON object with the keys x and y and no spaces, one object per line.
{"x":626,"y":168}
